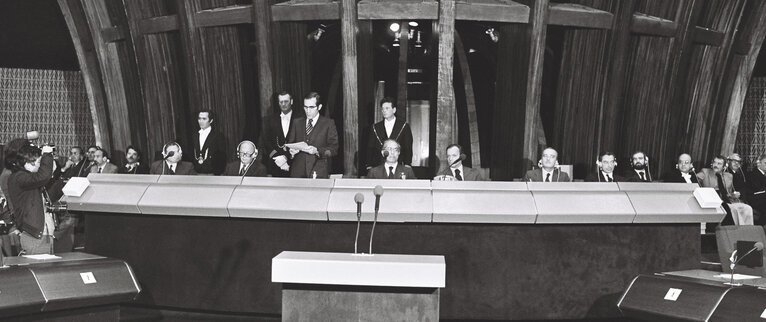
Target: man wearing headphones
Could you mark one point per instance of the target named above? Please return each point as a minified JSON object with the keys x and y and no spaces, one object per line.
{"x":455,"y":170}
{"x":549,"y":169}
{"x":246,"y":165}
{"x":683,"y":171}
{"x":639,"y":168}
{"x":171,"y":163}
{"x":738,"y":173}
{"x":717,"y":178}
{"x":391,"y":168}
{"x":605,"y":172}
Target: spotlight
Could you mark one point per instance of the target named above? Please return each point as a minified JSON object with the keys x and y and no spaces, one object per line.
{"x":394,"y":27}
{"x":413,"y":23}
{"x":317,"y":34}
{"x":418,"y":42}
{"x":493,"y":34}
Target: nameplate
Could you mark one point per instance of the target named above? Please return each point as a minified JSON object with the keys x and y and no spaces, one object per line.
{"x":673,"y":294}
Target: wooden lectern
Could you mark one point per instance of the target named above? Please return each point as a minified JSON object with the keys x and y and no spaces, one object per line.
{"x":342,"y":286}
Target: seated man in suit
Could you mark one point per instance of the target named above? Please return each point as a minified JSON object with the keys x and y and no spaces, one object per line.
{"x":391,"y":168}
{"x":101,"y":158}
{"x":321,"y":136}
{"x":76,"y":164}
{"x":246,"y":166}
{"x":605,"y":170}
{"x":639,"y":168}
{"x":757,"y":183}
{"x":716,"y":177}
{"x":455,"y":169}
{"x":549,"y":169}
{"x":683,"y":172}
{"x":740,"y":181}
{"x":171,"y":162}
{"x":133,"y":162}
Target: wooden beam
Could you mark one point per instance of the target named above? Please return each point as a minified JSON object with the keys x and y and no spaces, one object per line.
{"x":505,"y":11}
{"x":413,"y":10}
{"x":224,"y":16}
{"x":575,"y":15}
{"x":348,"y":30}
{"x":261,"y":14}
{"x":159,"y":24}
{"x":538,"y":20}
{"x":470,"y":102}
{"x":446,"y":115}
{"x":305,"y":10}
{"x":653,"y":26}
{"x":114,"y":33}
{"x":401,"y":82}
{"x":707,"y":36}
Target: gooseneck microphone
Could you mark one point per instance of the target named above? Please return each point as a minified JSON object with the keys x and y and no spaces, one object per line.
{"x":359,"y":199}
{"x":164,"y":164}
{"x":736,"y":259}
{"x":378,"y":191}
{"x":461,"y":158}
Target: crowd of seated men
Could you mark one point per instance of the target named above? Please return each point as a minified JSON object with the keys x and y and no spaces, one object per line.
{"x":303,"y":147}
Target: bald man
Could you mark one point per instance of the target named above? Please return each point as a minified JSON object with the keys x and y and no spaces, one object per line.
{"x":246,"y":166}
{"x":549,"y":170}
{"x":683,"y":171}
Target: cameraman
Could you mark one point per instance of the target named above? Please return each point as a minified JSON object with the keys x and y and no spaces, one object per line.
{"x":31,"y":170}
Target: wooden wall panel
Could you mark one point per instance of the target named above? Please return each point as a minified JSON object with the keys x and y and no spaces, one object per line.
{"x":291,"y":56}
{"x":160,"y":67}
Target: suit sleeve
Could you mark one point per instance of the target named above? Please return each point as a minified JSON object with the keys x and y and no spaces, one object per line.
{"x":409,"y":172}
{"x":525,"y":177}
{"x":332,"y":140}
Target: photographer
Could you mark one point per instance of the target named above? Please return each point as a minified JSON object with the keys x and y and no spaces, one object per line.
{"x":31,"y":170}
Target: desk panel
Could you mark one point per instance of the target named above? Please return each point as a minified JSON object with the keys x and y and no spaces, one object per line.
{"x":112,"y":193}
{"x":189,"y":196}
{"x":281,"y":198}
{"x":671,"y":206}
{"x":402,"y":200}
{"x":580,"y":202}
{"x":483,"y":202}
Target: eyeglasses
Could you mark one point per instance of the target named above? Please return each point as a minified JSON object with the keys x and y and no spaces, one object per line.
{"x":390,"y":149}
{"x":246,"y":154}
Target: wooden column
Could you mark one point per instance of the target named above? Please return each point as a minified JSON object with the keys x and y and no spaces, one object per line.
{"x":348,"y":26}
{"x":746,"y":49}
{"x":263,"y":47}
{"x":86,"y":56}
{"x":538,"y":24}
{"x":401,"y":83}
{"x":470,"y":102}
{"x":446,"y":116}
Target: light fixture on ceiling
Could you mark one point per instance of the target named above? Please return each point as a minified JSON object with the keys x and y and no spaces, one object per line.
{"x":394,"y":27}
{"x":413,"y":23}
{"x":418,"y":42}
{"x":493,"y":34}
{"x":317,"y":34}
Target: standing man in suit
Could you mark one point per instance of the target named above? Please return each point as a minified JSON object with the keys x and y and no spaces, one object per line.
{"x":549,"y":169}
{"x":209,"y":146}
{"x":605,"y":173}
{"x":275,"y":131}
{"x":757,"y":182}
{"x":101,"y":158}
{"x":455,"y":169}
{"x":171,"y":163}
{"x":639,"y":168}
{"x":133,"y":162}
{"x":717,"y":178}
{"x":320,"y":135}
{"x":391,"y":168}
{"x":683,"y":172}
{"x":391,"y":127}
{"x":246,"y":166}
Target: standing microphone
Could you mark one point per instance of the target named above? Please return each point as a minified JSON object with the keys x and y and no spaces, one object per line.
{"x":378,"y":191}
{"x":756,"y":247}
{"x":359,"y":199}
{"x":461,"y":158}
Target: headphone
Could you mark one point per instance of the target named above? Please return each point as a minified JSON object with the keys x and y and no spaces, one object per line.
{"x":540,"y":164}
{"x":255,"y":154}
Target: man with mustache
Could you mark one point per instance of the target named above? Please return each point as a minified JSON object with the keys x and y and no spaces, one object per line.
{"x":717,"y":178}
{"x":639,"y":168}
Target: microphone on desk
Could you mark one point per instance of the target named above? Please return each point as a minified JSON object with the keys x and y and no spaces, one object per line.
{"x":359,"y":199}
{"x":736,"y":259}
{"x":378,"y":191}
{"x":461,"y":158}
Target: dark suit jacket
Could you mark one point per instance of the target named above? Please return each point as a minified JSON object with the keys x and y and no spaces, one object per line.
{"x":81,"y":169}
{"x":675,"y":176}
{"x":256,"y":169}
{"x":324,"y":137}
{"x":142,"y":168}
{"x":108,"y":168}
{"x":215,"y":145}
{"x":757,"y":182}
{"x":632,"y":176}
{"x":536,"y":175}
{"x":380,"y":172}
{"x":740,"y":184}
{"x":401,"y":133}
{"x":469,"y":174}
{"x":182,"y":168}
{"x":272,"y":138}
{"x":599,"y":177}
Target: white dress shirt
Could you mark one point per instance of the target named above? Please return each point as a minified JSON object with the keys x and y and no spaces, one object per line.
{"x":285,"y":118}
{"x":388,"y":166}
{"x":687,"y":177}
{"x":389,"y":126}
{"x":545,"y":174}
{"x":462,"y":174}
{"x":203,"y":133}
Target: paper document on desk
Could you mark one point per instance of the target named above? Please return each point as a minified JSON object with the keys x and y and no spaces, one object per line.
{"x":302,"y":146}
{"x":41,"y":256}
{"x":737,"y":276}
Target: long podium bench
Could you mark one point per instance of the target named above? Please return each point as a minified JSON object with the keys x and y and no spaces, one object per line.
{"x":515,"y":250}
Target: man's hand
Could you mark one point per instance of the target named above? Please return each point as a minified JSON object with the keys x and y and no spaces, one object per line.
{"x":736,"y":194}
{"x":293,"y":152}
{"x":312,"y":150}
{"x":285,"y":167}
{"x":67,"y":165}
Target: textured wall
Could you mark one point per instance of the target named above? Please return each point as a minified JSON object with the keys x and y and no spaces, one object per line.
{"x":50,"y":101}
{"x":751,"y":138}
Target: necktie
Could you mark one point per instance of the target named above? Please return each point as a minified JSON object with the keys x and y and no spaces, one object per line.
{"x":172,"y":169}
{"x":99,"y":169}
{"x":547,"y":177}
{"x":609,"y":178}
{"x":309,"y":127}
{"x":242,"y":171}
{"x":390,"y":172}
{"x":721,"y":188}
{"x":643,"y":178}
{"x":458,"y":176}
